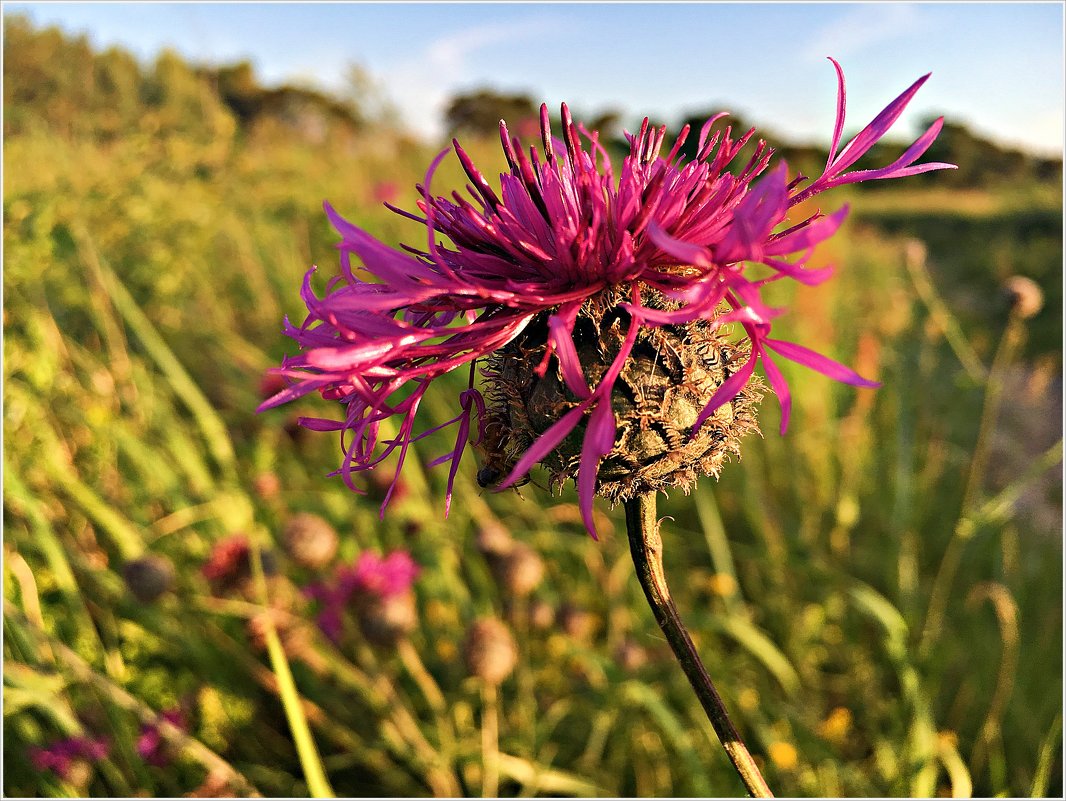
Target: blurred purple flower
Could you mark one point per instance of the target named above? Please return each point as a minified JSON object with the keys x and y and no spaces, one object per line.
{"x":386,"y":191}
{"x":392,"y":575}
{"x":60,"y":755}
{"x":559,"y":231}
{"x":151,"y":746}
{"x":369,"y":575}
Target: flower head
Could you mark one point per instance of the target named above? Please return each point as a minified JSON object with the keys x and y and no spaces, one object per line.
{"x":151,"y":745}
{"x":370,"y":580}
{"x":579,"y":276}
{"x":59,"y":757}
{"x":392,"y":575}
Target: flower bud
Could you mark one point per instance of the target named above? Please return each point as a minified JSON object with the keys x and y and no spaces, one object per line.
{"x":1026,"y":296}
{"x":631,"y":656}
{"x":386,"y":619}
{"x":493,"y":540}
{"x":148,"y":577}
{"x":490,"y":651}
{"x":519,"y":572}
{"x":266,"y":485}
{"x":578,"y":623}
{"x":229,"y":566}
{"x":541,"y":615}
{"x":310,"y":540}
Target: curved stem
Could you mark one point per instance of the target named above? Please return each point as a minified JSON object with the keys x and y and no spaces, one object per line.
{"x":647,"y":548}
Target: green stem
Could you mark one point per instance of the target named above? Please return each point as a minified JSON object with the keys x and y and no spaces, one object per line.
{"x":490,"y":735}
{"x":646,"y":546}
{"x":964,"y":529}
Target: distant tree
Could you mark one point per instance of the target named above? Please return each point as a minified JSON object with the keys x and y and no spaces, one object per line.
{"x":370,"y":98}
{"x":480,"y":112}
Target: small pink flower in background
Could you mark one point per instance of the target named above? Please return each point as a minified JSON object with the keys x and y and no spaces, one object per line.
{"x":392,"y":575}
{"x":332,"y":599}
{"x":60,"y":755}
{"x":230,"y":563}
{"x":151,"y":745}
{"x":527,"y":128}
{"x":386,"y":191}
{"x":369,"y":575}
{"x":228,"y":557}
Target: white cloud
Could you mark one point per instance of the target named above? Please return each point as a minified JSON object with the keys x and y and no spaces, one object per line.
{"x":422,"y":84}
{"x":861,"y":27}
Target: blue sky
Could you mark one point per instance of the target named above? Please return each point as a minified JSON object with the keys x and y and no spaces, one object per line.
{"x":996,"y":66}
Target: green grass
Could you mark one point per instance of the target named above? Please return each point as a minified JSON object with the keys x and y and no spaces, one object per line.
{"x":145,"y":283}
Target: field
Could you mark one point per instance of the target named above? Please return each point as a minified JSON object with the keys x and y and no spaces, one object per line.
{"x":877,"y":594}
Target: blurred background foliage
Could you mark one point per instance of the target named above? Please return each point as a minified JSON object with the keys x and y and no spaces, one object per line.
{"x":878,"y":594}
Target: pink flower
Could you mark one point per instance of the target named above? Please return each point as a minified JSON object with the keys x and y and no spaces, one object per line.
{"x":385,"y":191}
{"x":61,"y":754}
{"x":392,"y":575}
{"x":559,"y":230}
{"x":370,"y":575}
{"x":151,"y":746}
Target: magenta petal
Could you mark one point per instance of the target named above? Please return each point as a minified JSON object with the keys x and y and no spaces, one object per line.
{"x":545,"y":444}
{"x":293,"y":392}
{"x":780,"y":388}
{"x":730,"y":389}
{"x":560,"y":333}
{"x":809,"y":235}
{"x":599,"y":440}
{"x":838,"y":126}
{"x":880,"y":124}
{"x":802,"y":274}
{"x":819,"y":363}
{"x":684,"y":252}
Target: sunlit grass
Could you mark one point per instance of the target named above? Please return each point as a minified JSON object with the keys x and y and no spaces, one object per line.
{"x":145,"y":285}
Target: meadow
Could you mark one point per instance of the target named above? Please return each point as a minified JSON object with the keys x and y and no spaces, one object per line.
{"x":877,"y":594}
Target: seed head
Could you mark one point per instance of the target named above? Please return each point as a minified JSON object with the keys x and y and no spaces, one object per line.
{"x":578,"y":623}
{"x":148,"y":577}
{"x":490,"y":651}
{"x":310,"y":540}
{"x":386,"y":619}
{"x":1026,"y":296}
{"x":657,"y":399}
{"x":519,"y":572}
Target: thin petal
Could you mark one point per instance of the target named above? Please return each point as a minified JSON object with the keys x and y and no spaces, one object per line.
{"x":729,"y":389}
{"x":545,"y":444}
{"x":865,"y":139}
{"x":599,"y":440}
{"x":780,"y":388}
{"x":838,"y":126}
{"x":819,"y":363}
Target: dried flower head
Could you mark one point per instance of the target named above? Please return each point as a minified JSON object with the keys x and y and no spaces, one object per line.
{"x":310,"y":540}
{"x":148,"y":577}
{"x":597,"y":306}
{"x":1026,"y":296}
{"x":490,"y":651}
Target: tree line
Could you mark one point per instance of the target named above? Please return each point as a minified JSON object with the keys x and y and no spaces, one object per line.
{"x":57,"y":82}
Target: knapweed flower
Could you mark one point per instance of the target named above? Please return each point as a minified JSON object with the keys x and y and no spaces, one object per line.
{"x":151,"y":745}
{"x":229,"y":564}
{"x":60,"y":756}
{"x":393,"y":575}
{"x":378,"y":590}
{"x":597,"y":305}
